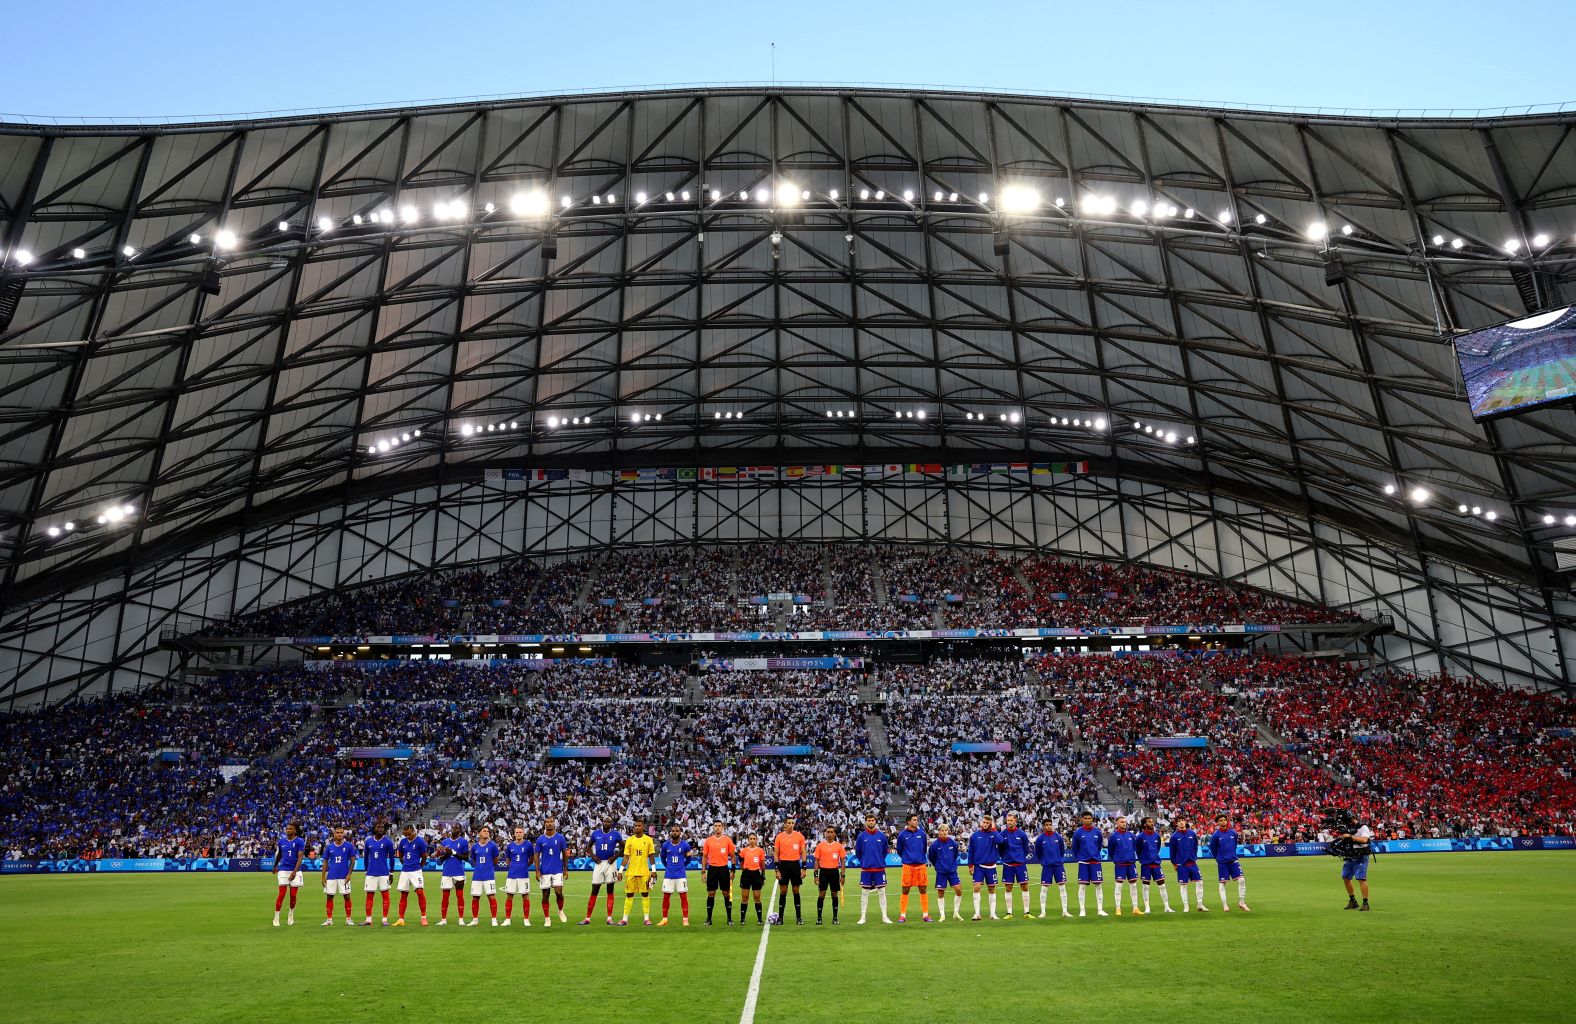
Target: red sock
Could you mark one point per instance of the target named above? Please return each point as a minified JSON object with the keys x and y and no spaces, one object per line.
{"x":508,"y":908}
{"x":347,"y":908}
{"x":525,"y":907}
{"x":331,"y":908}
{"x":591,"y":903}
{"x":385,"y":903}
{"x":476,"y":906}
{"x":445,"y":915}
{"x":492,"y":907}
{"x":294,"y":892}
{"x":684,"y":903}
{"x":404,"y":899}
{"x":279,"y":901}
{"x":667,"y":901}
{"x":421,"y":901}
{"x":610,"y":903}
{"x":560,"y":899}
{"x":369,"y":905}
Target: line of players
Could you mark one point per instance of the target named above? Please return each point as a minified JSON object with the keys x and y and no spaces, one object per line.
{"x":1134,"y":856}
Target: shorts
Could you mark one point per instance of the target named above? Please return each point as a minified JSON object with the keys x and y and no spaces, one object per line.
{"x":484,"y":888}
{"x":517,"y":887}
{"x":752,"y":880}
{"x":409,"y":880}
{"x":1151,"y":873}
{"x":1126,"y":871}
{"x":872,"y":879}
{"x":603,"y":873}
{"x":376,"y":883}
{"x":670,"y":885}
{"x":1089,"y":872}
{"x":1011,"y":873}
{"x":916,"y":874}
{"x":290,"y":878}
{"x":829,"y":879}
{"x":719,"y":878}
{"x":1228,"y":869}
{"x":946,"y":878}
{"x":448,"y":882}
{"x":1355,"y":870}
{"x":1188,"y":872}
{"x":336,"y":887}
{"x":792,"y":873}
{"x":985,"y":875}
{"x":1053,"y":874}
{"x":553,"y":881}
{"x":637,"y":883}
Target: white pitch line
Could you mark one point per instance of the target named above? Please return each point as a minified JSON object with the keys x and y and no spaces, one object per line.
{"x":747,"y":1016}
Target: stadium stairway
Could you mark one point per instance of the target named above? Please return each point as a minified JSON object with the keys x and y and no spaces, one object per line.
{"x":672,"y":789}
{"x":875,"y":727}
{"x":879,"y":584}
{"x":694,"y":690}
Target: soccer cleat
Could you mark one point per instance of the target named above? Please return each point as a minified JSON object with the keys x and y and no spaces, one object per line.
{"x":976,"y":917}
{"x":686,"y":922}
{"x":926,"y":919}
{"x":610,"y":919}
{"x":901,"y":919}
{"x":508,"y":921}
{"x":886,"y":920}
{"x":562,"y":917}
{"x":327,"y":923}
{"x":526,"y":923}
{"x":1007,"y":916}
{"x":1066,"y":914}
{"x":1242,"y":905}
{"x":443,"y":923}
{"x":1083,"y":913}
{"x":1365,"y":908}
{"x":291,"y":918}
{"x":351,"y":923}
{"x":1101,"y":913}
{"x":620,"y":924}
{"x":1139,"y":913}
{"x":424,"y":920}
{"x":993,"y":917}
{"x":400,"y":923}
{"x":1170,"y":911}
{"x":276,"y":920}
{"x":1351,"y":903}
{"x":1202,"y":909}
{"x":646,"y":922}
{"x":586,"y":921}
{"x":662,"y":923}
{"x":368,"y":923}
{"x":385,"y":922}
{"x":1119,"y":911}
{"x":1042,"y":915}
{"x":1225,"y":908}
{"x":957,"y":916}
{"x":547,"y":920}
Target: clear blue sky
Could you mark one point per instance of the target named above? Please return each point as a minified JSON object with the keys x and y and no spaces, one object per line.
{"x":87,"y":57}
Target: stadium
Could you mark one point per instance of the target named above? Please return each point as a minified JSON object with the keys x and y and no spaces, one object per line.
{"x":795,"y":459}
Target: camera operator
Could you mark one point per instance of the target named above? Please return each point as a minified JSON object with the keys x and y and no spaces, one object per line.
{"x":1355,"y":865}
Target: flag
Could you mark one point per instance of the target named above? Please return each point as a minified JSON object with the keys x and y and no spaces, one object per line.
{"x":687,"y":473}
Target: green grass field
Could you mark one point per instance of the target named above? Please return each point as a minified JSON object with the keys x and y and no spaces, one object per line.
{"x":1453,"y":937}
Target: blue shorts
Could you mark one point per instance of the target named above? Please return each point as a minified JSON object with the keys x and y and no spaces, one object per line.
{"x":1089,"y":872}
{"x":1050,"y":873}
{"x":1355,"y":870}
{"x":1189,"y":872}
{"x":1011,"y":873}
{"x":1126,"y":872}
{"x":1229,"y":869}
{"x":869,"y":879}
{"x":1151,"y":873}
{"x":946,"y":878}
{"x":986,"y":875}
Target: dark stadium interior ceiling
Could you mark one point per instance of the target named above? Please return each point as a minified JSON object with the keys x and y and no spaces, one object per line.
{"x":771,"y":277}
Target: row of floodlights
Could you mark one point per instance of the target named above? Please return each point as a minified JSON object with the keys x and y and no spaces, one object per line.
{"x":109,"y":515}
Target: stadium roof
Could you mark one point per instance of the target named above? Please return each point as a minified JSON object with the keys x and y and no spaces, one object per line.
{"x":1279,"y":287}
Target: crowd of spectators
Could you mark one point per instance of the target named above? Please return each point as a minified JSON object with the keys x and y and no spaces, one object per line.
{"x":725,"y":726}
{"x":640,"y":727}
{"x":949,"y":675}
{"x":787,"y":683}
{"x":929,"y":725}
{"x":756,"y":794}
{"x":1117,"y":701}
{"x":959,"y":790}
{"x":509,"y":791}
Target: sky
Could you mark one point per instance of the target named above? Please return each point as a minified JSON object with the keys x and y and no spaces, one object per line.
{"x":175,"y":57}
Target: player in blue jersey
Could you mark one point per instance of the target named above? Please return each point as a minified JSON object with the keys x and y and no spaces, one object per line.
{"x":1050,"y":852}
{"x":484,"y":875}
{"x":1087,"y":844}
{"x":552,"y":860}
{"x":1184,"y":857}
{"x":289,"y":851}
{"x":454,"y":849}
{"x":982,"y":860}
{"x":339,"y":860}
{"x":1123,"y":847}
{"x":871,"y":847}
{"x":412,"y":851}
{"x":607,"y":844}
{"x":1223,"y":847}
{"x":675,"y":859}
{"x":377,"y":852}
{"x":943,"y":856}
{"x":1149,"y":870}
{"x":911,"y":844}
{"x":518,"y":857}
{"x":1013,"y":844}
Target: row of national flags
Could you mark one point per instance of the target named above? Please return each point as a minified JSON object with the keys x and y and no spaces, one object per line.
{"x":810,"y":472}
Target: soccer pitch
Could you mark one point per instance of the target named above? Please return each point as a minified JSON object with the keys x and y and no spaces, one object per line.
{"x":1453,"y":936}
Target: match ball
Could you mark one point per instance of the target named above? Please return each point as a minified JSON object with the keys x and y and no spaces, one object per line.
{"x":772,"y":919}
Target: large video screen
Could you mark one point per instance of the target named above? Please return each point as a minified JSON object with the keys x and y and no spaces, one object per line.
{"x":1520,"y":364}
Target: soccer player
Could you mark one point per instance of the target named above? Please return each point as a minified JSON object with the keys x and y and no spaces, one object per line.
{"x":912,"y":845}
{"x":378,"y":853}
{"x":871,"y":847}
{"x":552,"y":855}
{"x":412,"y":851}
{"x":606,"y":843}
{"x":752,"y":876}
{"x":789,"y":849}
{"x":982,"y":859}
{"x":1184,"y":855}
{"x":718,"y":854}
{"x":454,"y":850}
{"x":289,"y":851}
{"x":1013,"y":844}
{"x":639,"y":849}
{"x":1149,"y":870}
{"x":1050,"y":849}
{"x":1124,"y":862}
{"x":484,"y":875}
{"x":830,"y":859}
{"x":1087,"y":843}
{"x":675,"y":859}
{"x":943,"y":856}
{"x":1223,"y":847}
{"x":519,"y":856}
{"x":636,"y":869}
{"x":339,"y":860}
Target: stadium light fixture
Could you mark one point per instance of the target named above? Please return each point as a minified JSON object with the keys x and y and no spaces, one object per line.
{"x":1456,"y":243}
{"x":1139,"y":208}
{"x":566,"y":202}
{"x":804,"y":194}
{"x":552,"y":423}
{"x":1491,"y":515}
{"x":1389,"y":488}
{"x":1019,"y":199}
{"x":1548,"y":520}
{"x":1346,"y":229}
{"x":53,"y":531}
{"x":224,"y":239}
{"x":761,"y":195}
{"x":640,"y":198}
{"x":1461,"y":508}
{"x":833,"y":194}
{"x":880,"y":194}
{"x":936,"y":196}
{"x":1318,"y":231}
{"x":1570,"y":520}
{"x":1438,"y":240}
{"x":1540,"y":240}
{"x":685,"y":195}
{"x":128,"y":251}
{"x":1188,"y":214}
{"x":1419,"y":495}
{"x":669,"y":197}
{"x":489,"y":208}
{"x":596,"y":200}
{"x":1099,"y":423}
{"x":194,"y":238}
{"x":1225,"y":217}
{"x":409,"y":214}
{"x":79,"y":254}
{"x":1260,"y":219}
{"x":1512,"y":246}
{"x":908,"y":195}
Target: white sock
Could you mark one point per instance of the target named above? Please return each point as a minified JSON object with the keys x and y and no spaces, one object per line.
{"x":1083,"y":891}
{"x":1146,"y":897}
{"x":993,"y":905}
{"x":1025,"y":901}
{"x":1165,"y":897}
{"x":1045,"y":897}
{"x":882,"y":891}
{"x":864,"y":903}
{"x":1198,"y":891}
{"x":1132,"y":888}
{"x":1099,"y":897}
{"x":1116,"y":891}
{"x":977,"y":903}
{"x":1183,"y":887}
{"x":1063,"y":890}
{"x":1223,"y":895}
{"x":1242,"y":888}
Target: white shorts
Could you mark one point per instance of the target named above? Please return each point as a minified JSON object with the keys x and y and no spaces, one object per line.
{"x":289,"y":878}
{"x":336,"y":887}
{"x":517,"y":886}
{"x":484,"y":888}
{"x":552,"y":881}
{"x":675,"y":885}
{"x":376,"y":883}
{"x":603,"y":873}
{"x":409,"y":880}
{"x":448,"y":882}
